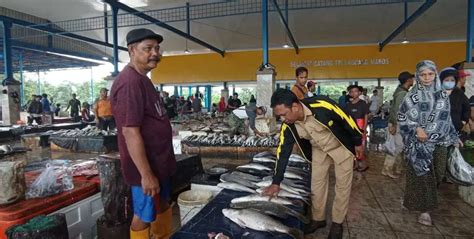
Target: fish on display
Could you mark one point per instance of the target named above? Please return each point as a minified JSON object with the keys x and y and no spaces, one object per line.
{"x":285,"y":194}
{"x":297,"y":158}
{"x":255,"y":166}
{"x":290,"y":189}
{"x":255,"y":172}
{"x":261,"y":198}
{"x":271,"y":208}
{"x":265,"y":154}
{"x":247,"y":176}
{"x":235,"y":187}
{"x":293,"y":175}
{"x":264,"y":159}
{"x":228,"y":177}
{"x":252,"y":219}
{"x":289,"y":182}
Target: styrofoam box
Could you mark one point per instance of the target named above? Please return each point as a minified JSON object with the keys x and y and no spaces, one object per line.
{"x":81,"y":217}
{"x":177,"y":145}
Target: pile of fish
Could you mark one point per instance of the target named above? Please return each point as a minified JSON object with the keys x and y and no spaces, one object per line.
{"x":214,"y":139}
{"x":263,"y":213}
{"x":89,"y":131}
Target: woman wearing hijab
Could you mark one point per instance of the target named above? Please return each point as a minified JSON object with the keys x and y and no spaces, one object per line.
{"x":460,"y":110}
{"x":427,"y":131}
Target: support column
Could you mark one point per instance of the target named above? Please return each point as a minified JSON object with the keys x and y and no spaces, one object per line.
{"x":22,"y":84}
{"x":265,"y":32}
{"x":92,"y":88}
{"x":209,"y":97}
{"x":115,"y":39}
{"x":233,"y":89}
{"x":176,"y":90}
{"x":161,"y":89}
{"x":190,"y":92}
{"x":180,"y":90}
{"x":7,"y":54}
{"x":10,"y":97}
{"x":319,"y":89}
{"x":38,"y":84}
{"x":265,"y":89}
{"x":197,"y":89}
{"x":470,"y":30}
{"x":278,"y":86}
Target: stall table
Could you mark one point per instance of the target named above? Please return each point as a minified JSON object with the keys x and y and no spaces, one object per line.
{"x":211,"y":219}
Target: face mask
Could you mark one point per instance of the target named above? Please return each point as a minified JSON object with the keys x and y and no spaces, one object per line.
{"x":448,"y":85}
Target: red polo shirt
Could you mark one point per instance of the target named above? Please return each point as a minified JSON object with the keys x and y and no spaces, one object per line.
{"x":135,"y":103}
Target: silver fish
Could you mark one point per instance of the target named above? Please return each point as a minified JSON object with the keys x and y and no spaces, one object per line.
{"x":271,"y":208}
{"x":247,"y":176}
{"x":289,"y":182}
{"x":286,"y":194}
{"x":297,"y":158}
{"x":255,"y":166}
{"x":227,"y":177}
{"x":264,"y":159}
{"x":252,"y":219}
{"x":265,"y":154}
{"x":292,"y":175}
{"x":235,"y":187}
{"x":288,"y":188}
{"x":260,"y":198}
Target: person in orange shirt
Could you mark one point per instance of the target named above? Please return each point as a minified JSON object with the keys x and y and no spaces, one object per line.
{"x":103,"y":111}
{"x":299,"y":88}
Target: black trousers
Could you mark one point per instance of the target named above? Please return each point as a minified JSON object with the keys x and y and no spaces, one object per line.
{"x":106,"y":123}
{"x":37,"y":119}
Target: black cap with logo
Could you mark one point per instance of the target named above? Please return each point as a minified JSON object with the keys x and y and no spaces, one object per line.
{"x":137,"y":35}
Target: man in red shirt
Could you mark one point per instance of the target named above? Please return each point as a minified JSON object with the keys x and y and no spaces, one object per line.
{"x":144,"y":137}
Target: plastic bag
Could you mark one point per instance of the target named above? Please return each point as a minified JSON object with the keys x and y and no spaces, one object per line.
{"x":51,"y":182}
{"x":389,"y":146}
{"x":459,"y":171}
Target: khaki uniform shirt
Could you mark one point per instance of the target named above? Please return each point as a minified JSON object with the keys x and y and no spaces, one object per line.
{"x":322,"y":139}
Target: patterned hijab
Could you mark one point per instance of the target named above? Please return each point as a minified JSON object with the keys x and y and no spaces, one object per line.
{"x":426,"y":107}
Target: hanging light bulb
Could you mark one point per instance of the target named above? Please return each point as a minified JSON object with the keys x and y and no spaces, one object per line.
{"x":186,"y":51}
{"x":286,"y":46}
{"x":405,"y":41}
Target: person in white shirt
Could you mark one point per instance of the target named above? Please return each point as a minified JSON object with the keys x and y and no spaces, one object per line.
{"x":374,"y":102}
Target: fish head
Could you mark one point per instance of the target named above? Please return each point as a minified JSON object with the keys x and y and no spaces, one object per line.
{"x":229,"y":213}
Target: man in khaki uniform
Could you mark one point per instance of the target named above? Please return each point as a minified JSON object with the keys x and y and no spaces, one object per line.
{"x":325,"y":134}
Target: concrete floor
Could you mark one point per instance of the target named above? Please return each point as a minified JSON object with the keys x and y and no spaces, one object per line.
{"x":375,"y":209}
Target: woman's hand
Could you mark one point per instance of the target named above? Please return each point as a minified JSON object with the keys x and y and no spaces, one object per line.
{"x":421,"y":135}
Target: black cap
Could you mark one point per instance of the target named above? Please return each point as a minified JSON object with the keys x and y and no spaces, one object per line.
{"x":137,"y":35}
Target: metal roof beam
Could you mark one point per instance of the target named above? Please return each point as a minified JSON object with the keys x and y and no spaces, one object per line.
{"x":57,"y":31}
{"x":422,"y":9}
{"x":161,"y":24}
{"x":287,"y":28}
{"x":48,"y":50}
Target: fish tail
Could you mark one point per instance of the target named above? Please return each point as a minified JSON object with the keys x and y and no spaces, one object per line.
{"x":295,"y":233}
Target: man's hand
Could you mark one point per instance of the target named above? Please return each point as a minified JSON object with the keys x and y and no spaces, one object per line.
{"x":392,"y":129}
{"x":359,"y":150}
{"x":421,"y":135}
{"x":150,"y":185}
{"x":271,"y":191}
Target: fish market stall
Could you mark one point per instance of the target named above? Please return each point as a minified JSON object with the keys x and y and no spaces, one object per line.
{"x":8,"y":133}
{"x":87,"y":140}
{"x":238,"y":210}
{"x":236,"y":147}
